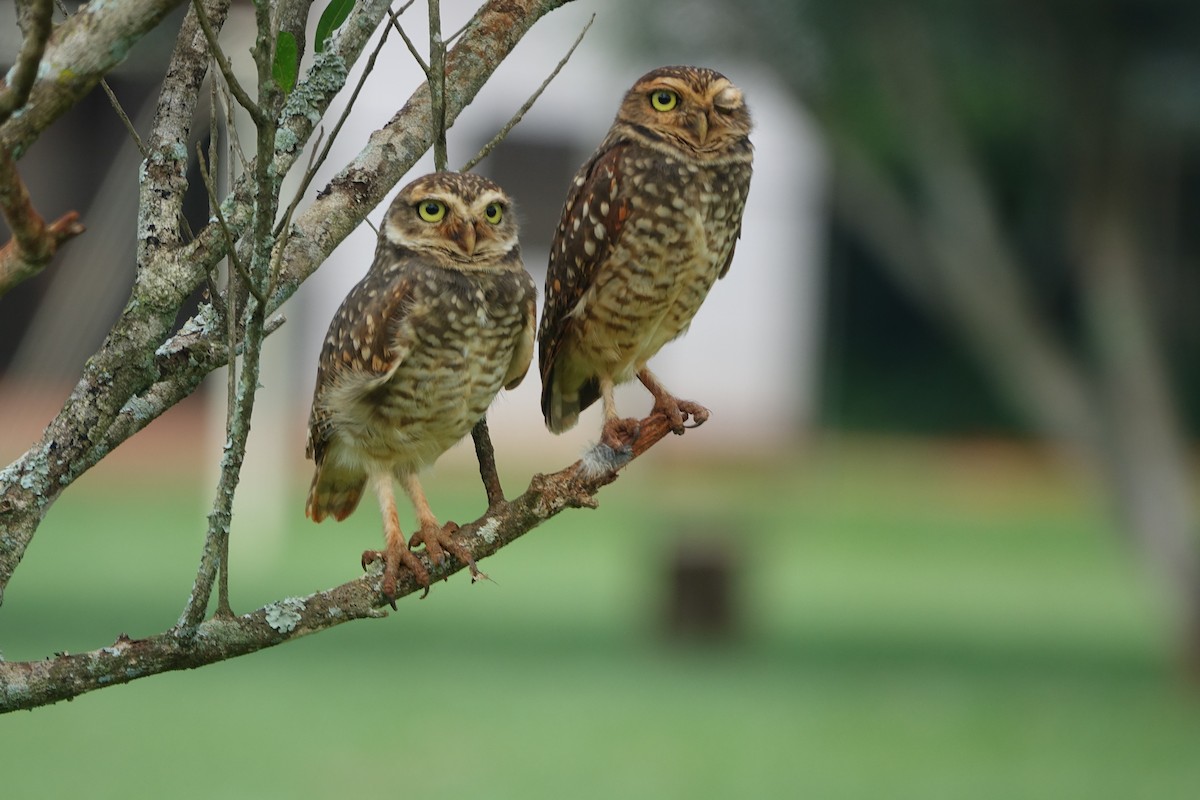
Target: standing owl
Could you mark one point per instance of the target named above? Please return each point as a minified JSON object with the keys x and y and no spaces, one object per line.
{"x":649,"y":224}
{"x":415,"y":355}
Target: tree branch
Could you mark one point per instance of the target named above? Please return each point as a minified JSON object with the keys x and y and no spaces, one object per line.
{"x":29,"y":684}
{"x":961,"y":246}
{"x":215,"y":557}
{"x":79,"y":53}
{"x":34,"y":242}
{"x":214,"y":48}
{"x":516,"y":118}
{"x":24,"y":72}
{"x":164,"y":173}
{"x":110,"y":399}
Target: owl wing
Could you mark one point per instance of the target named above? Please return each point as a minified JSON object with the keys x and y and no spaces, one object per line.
{"x":592,"y":221}
{"x":523,"y":354}
{"x":369,"y":337}
{"x":732,"y":246}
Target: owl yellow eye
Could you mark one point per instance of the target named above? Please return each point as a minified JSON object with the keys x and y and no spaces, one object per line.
{"x":494,"y":213}
{"x":664,"y":100}
{"x":431,"y":210}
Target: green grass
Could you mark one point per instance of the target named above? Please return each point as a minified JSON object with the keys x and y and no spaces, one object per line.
{"x":917,"y":622}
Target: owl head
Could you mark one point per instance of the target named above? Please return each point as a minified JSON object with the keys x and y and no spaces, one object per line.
{"x":691,"y":109}
{"x":461,"y":220}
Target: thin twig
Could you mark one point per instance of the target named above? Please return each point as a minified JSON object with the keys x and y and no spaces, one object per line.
{"x":215,"y":205}
{"x":394,"y":21}
{"x":437,"y":84}
{"x":454,"y":36}
{"x":119,"y":109}
{"x":524,"y":109}
{"x":255,"y":111}
{"x":231,"y":126}
{"x":128,"y":123}
{"x":283,"y":229}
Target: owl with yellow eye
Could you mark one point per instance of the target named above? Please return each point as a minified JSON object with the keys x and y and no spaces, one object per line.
{"x":415,"y":355}
{"x":649,"y":225}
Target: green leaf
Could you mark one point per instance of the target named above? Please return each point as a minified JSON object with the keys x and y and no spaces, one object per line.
{"x":287,"y":62}
{"x":331,"y":19}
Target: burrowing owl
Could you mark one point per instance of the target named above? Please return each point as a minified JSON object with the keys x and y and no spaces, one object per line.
{"x":416,"y":353}
{"x":649,"y":224}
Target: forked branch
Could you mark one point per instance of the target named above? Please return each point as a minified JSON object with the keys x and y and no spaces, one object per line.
{"x":33,"y":242}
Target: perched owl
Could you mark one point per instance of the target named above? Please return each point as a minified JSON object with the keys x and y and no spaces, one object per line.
{"x":415,"y":355}
{"x":649,"y":224}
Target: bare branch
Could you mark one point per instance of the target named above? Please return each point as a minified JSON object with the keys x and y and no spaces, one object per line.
{"x":214,"y":560}
{"x":164,"y":173}
{"x":34,"y":243}
{"x":30,"y":684}
{"x":24,"y":72}
{"x":218,"y":55}
{"x":215,"y":205}
{"x":437,"y":83}
{"x":116,"y":105}
{"x":79,"y":53}
{"x":394,"y":21}
{"x":113,"y":101}
{"x":524,"y":109}
{"x":485,"y":453}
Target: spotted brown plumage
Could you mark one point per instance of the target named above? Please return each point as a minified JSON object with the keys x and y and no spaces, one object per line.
{"x":649,"y":225}
{"x":417,"y":352}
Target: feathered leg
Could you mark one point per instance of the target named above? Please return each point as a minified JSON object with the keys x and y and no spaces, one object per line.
{"x":436,"y":538}
{"x":618,"y":433}
{"x":395,"y":550}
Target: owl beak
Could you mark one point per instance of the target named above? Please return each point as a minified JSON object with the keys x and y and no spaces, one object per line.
{"x":465,"y":236}
{"x":700,"y":126}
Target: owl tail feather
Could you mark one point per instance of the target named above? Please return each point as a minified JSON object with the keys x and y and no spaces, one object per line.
{"x":561,"y":406}
{"x":334,"y":492}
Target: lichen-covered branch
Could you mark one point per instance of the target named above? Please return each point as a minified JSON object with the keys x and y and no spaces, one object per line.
{"x":79,"y":53}
{"x":266,"y":202}
{"x":36,"y":26}
{"x":124,"y":385}
{"x":29,"y":684}
{"x":164,"y":173}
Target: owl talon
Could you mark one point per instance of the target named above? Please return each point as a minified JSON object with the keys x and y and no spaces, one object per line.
{"x":391,"y":570}
{"x":678,"y":411}
{"x":619,"y":434}
{"x":438,"y":541}
{"x":697,"y":412}
{"x":370,"y":556}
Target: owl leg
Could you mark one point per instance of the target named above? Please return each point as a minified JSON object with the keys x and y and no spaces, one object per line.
{"x":396,"y":550}
{"x":436,"y":538}
{"x":675,"y":410}
{"x":617,"y":433}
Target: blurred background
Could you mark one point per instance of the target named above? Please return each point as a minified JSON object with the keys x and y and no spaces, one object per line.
{"x":939,"y":538}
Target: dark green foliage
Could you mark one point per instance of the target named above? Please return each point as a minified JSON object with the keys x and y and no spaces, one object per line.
{"x":287,"y":62}
{"x":331,"y":19}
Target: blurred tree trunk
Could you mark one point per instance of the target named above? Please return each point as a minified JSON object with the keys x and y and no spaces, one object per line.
{"x":945,"y":244}
{"x":1144,"y":449}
